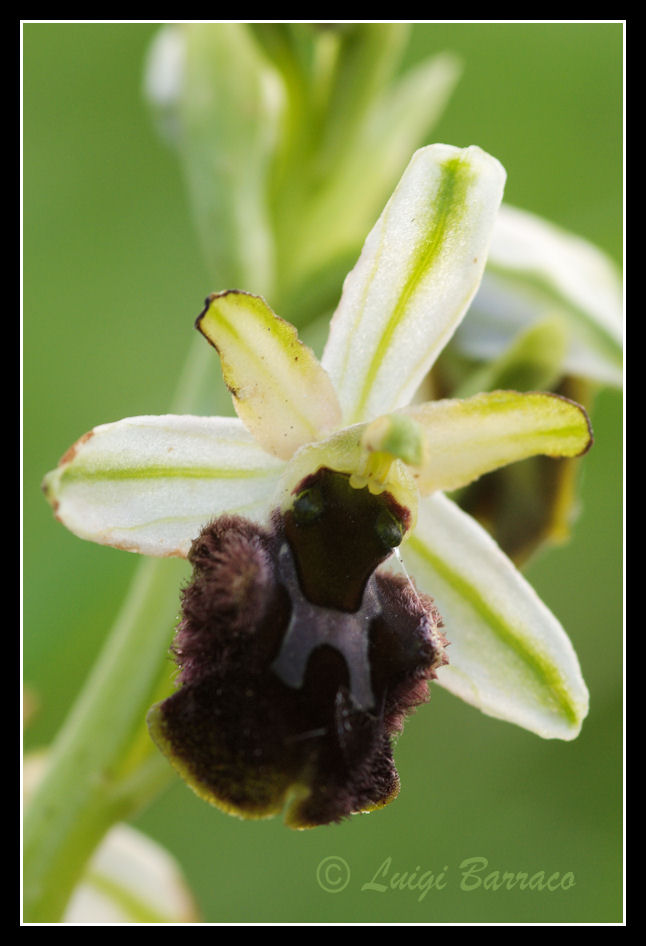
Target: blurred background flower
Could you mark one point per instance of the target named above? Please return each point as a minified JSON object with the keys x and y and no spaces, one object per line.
{"x":113,"y":254}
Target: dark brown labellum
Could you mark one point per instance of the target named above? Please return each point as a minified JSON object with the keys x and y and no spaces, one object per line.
{"x":299,"y":659}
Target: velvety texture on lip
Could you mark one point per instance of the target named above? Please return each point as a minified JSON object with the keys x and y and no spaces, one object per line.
{"x":284,"y":702}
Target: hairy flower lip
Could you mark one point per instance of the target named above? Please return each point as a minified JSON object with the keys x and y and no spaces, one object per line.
{"x":300,"y":721}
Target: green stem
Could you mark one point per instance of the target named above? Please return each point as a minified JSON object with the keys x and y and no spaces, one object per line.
{"x":99,"y":770}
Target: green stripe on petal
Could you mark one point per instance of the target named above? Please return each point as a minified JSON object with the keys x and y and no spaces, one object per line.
{"x":466,"y":438}
{"x":418,"y":271}
{"x":280,"y":391}
{"x":150,"y":484}
{"x":508,"y":654}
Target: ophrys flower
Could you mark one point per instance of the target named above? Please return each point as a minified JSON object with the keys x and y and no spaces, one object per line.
{"x":336,"y":451}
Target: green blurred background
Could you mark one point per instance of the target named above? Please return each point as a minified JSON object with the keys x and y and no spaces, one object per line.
{"x":113,"y":279}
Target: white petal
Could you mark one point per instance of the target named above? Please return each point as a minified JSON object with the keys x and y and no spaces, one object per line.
{"x":418,"y":271}
{"x":150,"y":484}
{"x":509,"y":656}
{"x":536,"y":269}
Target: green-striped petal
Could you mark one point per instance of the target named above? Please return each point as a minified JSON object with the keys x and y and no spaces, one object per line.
{"x":418,"y":271}
{"x":280,"y":391}
{"x":150,"y":484}
{"x":508,"y":654}
{"x":463,"y":439}
{"x":537,"y":270}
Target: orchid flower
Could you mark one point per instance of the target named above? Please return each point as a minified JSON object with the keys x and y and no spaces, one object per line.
{"x":300,"y":653}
